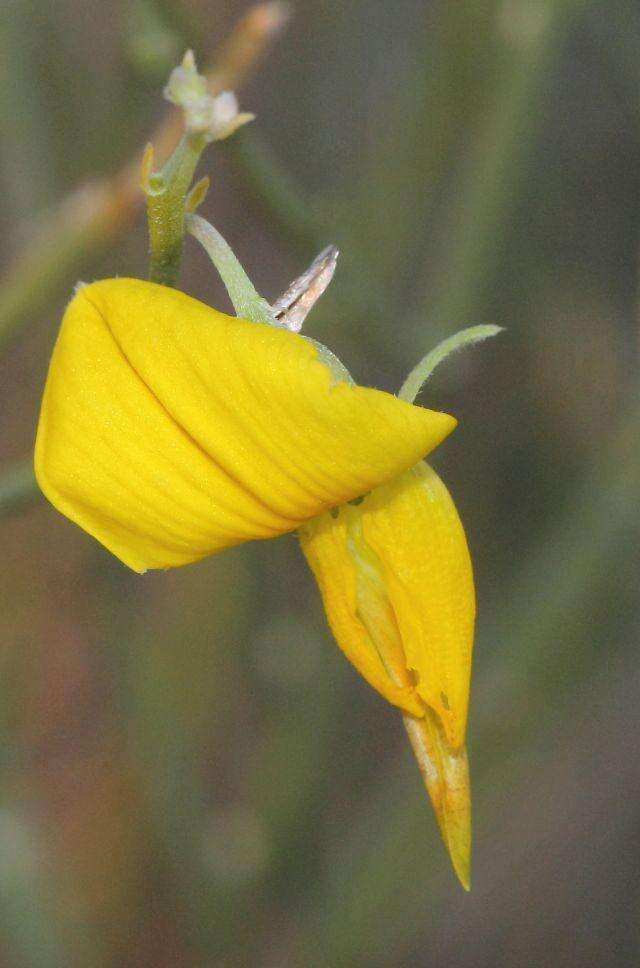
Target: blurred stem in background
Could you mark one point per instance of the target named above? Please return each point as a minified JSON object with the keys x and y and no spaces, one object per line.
{"x":452,"y":75}
{"x":494,"y":172}
{"x":18,"y":487}
{"x":24,"y":145}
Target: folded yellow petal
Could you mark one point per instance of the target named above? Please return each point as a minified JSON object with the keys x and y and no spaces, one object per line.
{"x":396,"y":579}
{"x":325,"y":545}
{"x":413,"y":527}
{"x":169,"y":430}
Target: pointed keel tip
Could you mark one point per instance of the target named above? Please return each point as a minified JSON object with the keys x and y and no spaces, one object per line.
{"x":461,"y":864}
{"x":455,"y":826}
{"x":446,"y":777}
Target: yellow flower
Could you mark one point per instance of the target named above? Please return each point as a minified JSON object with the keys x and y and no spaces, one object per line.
{"x":169,"y":431}
{"x":396,"y":580}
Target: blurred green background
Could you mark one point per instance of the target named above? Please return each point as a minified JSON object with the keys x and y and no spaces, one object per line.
{"x":191,"y":773}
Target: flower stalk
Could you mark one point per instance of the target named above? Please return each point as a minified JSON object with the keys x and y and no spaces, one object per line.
{"x":166,"y":192}
{"x":247,"y":302}
{"x":207,"y":118}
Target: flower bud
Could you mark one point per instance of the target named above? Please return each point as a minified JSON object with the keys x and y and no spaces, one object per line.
{"x":215,"y":117}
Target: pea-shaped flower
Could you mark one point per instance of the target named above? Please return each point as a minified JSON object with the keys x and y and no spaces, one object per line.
{"x":169,"y":430}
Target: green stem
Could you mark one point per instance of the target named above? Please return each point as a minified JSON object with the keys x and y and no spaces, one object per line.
{"x":166,"y":193}
{"x":248,"y":304}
